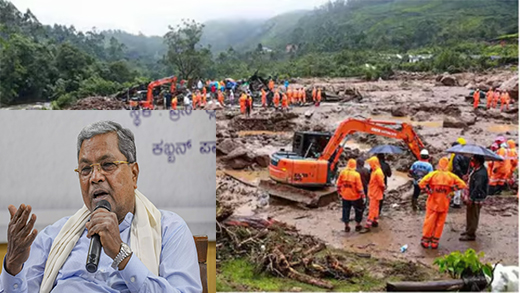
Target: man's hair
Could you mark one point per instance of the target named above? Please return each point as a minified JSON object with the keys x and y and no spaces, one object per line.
{"x":125,"y":137}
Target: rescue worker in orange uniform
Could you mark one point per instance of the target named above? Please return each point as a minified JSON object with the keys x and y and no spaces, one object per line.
{"x":439,"y":184}
{"x":220,"y":97}
{"x":318,"y":97}
{"x":476,"y":98}
{"x":489,"y":98}
{"x":204,"y":92}
{"x":304,"y":96}
{"x":242,"y":101}
{"x":496,"y":97}
{"x":276,"y":99}
{"x":285,"y":102}
{"x":505,"y":100}
{"x":174,"y":103}
{"x":314,"y":94}
{"x":376,"y":188}
{"x":249,"y":105}
{"x":203,"y":98}
{"x":350,"y":188}
{"x":264,"y":101}
{"x":289,"y":92}
{"x":271,"y":85}
{"x":196,"y":99}
{"x":513,"y":157}
{"x":300,"y":96}
{"x":499,"y":172}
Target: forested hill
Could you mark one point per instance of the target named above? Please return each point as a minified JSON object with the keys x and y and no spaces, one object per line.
{"x":242,"y":34}
{"x":43,"y":62}
{"x":373,"y":24}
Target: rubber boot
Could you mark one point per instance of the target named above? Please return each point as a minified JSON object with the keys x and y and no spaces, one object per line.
{"x":415,"y":204}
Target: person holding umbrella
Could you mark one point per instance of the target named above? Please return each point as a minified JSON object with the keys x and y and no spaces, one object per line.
{"x":478,"y":184}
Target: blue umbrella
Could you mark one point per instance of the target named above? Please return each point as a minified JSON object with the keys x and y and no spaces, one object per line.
{"x":471,"y":150}
{"x":386,"y":149}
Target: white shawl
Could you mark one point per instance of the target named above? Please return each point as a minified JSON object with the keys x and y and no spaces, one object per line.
{"x":145,"y":239}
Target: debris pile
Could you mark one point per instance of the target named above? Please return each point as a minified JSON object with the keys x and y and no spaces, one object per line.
{"x":98,"y":103}
{"x":279,"y":249}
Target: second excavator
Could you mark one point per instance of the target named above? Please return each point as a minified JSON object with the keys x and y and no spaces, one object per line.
{"x":308,"y":173}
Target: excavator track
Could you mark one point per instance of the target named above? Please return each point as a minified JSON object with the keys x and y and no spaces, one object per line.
{"x":309,"y":198}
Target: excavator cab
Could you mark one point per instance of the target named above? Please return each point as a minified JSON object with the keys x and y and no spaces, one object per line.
{"x":310,"y":144}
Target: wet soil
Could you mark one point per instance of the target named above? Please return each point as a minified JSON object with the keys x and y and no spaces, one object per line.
{"x":418,"y":100}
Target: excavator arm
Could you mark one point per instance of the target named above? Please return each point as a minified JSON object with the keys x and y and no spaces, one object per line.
{"x":153,"y":84}
{"x":334,"y":148}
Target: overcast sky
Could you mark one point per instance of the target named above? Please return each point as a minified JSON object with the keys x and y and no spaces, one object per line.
{"x":152,"y":17}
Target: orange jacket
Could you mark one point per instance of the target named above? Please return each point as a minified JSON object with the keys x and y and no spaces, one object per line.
{"x":318,"y":96}
{"x":221,"y":98}
{"x":174,"y":103}
{"x":476,"y":96}
{"x":512,"y":154}
{"x":489,"y":97}
{"x":314,"y":94}
{"x":263,"y":97}
{"x":276,"y":99}
{"x":376,"y":186}
{"x":289,"y":93}
{"x":304,"y":95}
{"x":349,"y":182}
{"x":284,"y":100}
{"x":204,"y":91}
{"x":441,"y":183}
{"x":271,"y":84}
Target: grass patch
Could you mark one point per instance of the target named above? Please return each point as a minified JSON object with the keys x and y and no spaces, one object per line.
{"x":240,"y":275}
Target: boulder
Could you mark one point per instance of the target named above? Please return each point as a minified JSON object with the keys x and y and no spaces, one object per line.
{"x":469,"y":118}
{"x":308,"y":114}
{"x":262,"y":160}
{"x":399,"y":111}
{"x":511,"y":86}
{"x":421,"y":116}
{"x":449,"y":80}
{"x":238,"y":163}
{"x":452,"y":122}
{"x":236,"y":153}
{"x":227,"y":146}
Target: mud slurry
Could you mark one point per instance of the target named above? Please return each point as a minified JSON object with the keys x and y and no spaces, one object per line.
{"x":418,"y":100}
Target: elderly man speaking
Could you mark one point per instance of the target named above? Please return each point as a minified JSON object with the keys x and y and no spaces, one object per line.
{"x":144,"y":249}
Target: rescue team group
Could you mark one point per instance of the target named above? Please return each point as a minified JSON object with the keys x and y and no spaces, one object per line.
{"x":283,"y":97}
{"x":454,"y":175}
{"x":492,"y":99}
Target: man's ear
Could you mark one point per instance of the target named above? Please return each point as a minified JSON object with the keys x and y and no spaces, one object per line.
{"x":135,"y":173}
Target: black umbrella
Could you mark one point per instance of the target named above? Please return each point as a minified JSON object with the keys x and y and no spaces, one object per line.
{"x":385,"y":149}
{"x":471,"y":150}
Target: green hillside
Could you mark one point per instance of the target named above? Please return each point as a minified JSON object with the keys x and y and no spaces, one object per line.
{"x":398,"y":25}
{"x":246,"y":34}
{"x":406,"y":24}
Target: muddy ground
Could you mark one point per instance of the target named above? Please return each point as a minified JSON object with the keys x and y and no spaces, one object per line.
{"x":244,"y":146}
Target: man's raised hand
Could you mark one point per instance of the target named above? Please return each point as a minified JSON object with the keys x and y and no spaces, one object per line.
{"x":20,"y":236}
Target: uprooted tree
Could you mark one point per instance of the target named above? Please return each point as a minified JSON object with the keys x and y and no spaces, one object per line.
{"x":184,"y":55}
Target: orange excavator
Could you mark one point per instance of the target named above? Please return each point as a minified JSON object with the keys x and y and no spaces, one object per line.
{"x":148,"y":103}
{"x":308,"y":172}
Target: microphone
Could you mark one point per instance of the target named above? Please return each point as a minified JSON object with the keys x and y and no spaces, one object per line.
{"x":94,"y":250}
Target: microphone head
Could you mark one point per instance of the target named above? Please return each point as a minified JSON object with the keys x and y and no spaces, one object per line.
{"x":103,"y":204}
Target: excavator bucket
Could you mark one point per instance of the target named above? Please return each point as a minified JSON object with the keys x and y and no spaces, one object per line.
{"x":309,"y":198}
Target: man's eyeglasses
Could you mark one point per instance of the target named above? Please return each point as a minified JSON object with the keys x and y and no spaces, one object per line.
{"x":106,"y":167}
